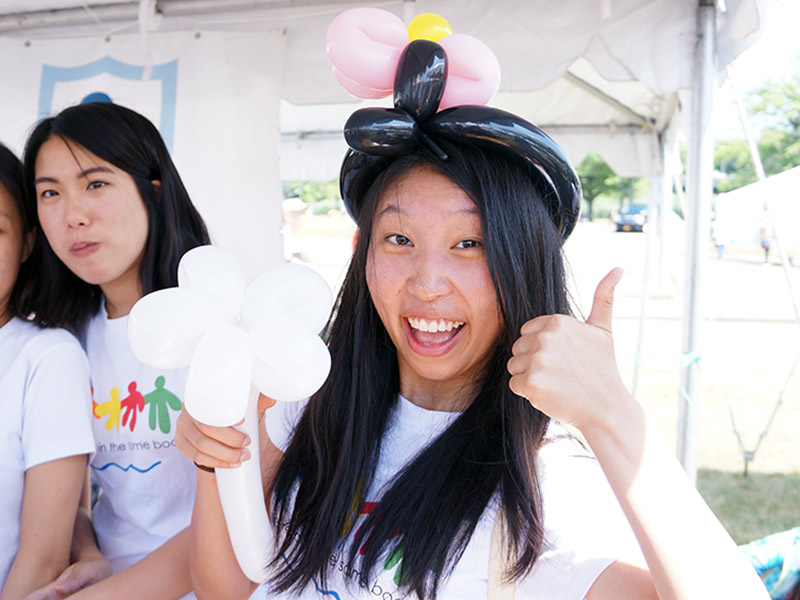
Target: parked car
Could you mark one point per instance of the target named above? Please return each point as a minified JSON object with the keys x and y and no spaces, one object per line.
{"x":631,"y":218}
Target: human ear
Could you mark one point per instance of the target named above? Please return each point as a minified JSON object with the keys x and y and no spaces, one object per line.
{"x":157,"y":187}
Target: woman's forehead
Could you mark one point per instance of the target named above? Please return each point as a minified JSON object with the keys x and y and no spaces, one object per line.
{"x":60,"y":154}
{"x":424,"y":189}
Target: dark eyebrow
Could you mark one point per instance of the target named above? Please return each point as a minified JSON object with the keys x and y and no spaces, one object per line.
{"x":93,"y":170}
{"x":82,"y":175}
{"x":389,"y":208}
{"x":394,"y":208}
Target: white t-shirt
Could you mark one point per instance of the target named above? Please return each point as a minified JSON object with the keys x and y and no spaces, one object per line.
{"x":146,"y":486}
{"x":45,"y":414}
{"x":585,"y":529}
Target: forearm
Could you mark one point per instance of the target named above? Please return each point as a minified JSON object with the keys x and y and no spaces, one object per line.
{"x":30,"y":571}
{"x":161,"y":575}
{"x":47,"y":523}
{"x":688,"y":552}
{"x":215,"y":573}
{"x":84,"y":542}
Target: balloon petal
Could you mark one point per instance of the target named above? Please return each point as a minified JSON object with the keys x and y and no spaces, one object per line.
{"x":216,"y":271}
{"x":428,"y":26}
{"x":289,"y":290}
{"x":364,"y":45}
{"x":357,"y":174}
{"x":281,"y":355}
{"x":218,"y":382}
{"x":289,"y":364}
{"x":474,"y":72}
{"x":420,"y":79}
{"x":382,"y":131}
{"x":165,"y":326}
{"x":358,"y":90}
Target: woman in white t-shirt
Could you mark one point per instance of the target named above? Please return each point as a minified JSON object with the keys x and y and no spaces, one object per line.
{"x":115,"y":219}
{"x":45,"y":411}
{"x":420,"y":469}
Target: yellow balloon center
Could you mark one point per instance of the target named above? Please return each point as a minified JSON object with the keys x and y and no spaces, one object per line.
{"x":428,"y":26}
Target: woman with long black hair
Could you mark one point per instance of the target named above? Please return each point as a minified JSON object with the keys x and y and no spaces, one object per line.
{"x":112,"y":220}
{"x":430,"y":464}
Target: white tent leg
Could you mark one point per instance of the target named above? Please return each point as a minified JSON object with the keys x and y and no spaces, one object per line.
{"x":665,"y":183}
{"x":653,"y":228}
{"x":698,"y":203}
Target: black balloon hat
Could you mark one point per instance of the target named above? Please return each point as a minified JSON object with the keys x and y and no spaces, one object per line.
{"x":378,"y":135}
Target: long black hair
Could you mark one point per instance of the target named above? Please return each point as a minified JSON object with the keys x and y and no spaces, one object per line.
{"x":13,"y":180}
{"x":434,"y":504}
{"x":127,"y":140}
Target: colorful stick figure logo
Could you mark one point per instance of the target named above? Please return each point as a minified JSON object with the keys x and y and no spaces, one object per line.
{"x":161,"y":400}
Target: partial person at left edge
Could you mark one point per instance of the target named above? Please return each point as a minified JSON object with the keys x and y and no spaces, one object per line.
{"x":45,"y":413}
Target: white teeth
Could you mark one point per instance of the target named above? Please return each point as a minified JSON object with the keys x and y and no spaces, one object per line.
{"x":433,"y":325}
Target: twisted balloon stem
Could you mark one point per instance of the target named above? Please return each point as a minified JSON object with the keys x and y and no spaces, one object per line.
{"x":432,"y":146}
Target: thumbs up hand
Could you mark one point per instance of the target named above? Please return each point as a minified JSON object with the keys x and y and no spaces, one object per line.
{"x":567,"y":368}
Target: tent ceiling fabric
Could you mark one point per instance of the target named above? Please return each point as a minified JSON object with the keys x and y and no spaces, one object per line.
{"x":599,"y":75}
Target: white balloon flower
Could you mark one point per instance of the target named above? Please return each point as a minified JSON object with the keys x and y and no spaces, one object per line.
{"x":237,"y":341}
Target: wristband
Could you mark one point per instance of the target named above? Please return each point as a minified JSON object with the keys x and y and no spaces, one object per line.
{"x":204,"y":468}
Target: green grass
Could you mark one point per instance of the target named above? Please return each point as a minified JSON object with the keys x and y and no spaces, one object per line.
{"x":753,"y":506}
{"x":765,"y":501}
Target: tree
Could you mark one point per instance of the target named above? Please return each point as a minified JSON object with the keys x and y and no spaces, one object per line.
{"x":775,"y":111}
{"x":321,"y":196}
{"x":598,"y":180}
{"x":733,"y":158}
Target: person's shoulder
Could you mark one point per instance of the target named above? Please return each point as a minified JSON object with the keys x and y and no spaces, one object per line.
{"x":585,"y":528}
{"x":43,"y":342}
{"x":49,"y":337}
{"x":281,"y":420}
{"x":568,"y":471}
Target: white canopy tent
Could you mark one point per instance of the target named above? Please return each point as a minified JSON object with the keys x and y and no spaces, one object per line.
{"x":601,"y":76}
{"x":244,"y":95}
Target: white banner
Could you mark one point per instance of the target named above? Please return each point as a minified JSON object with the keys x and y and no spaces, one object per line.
{"x":213,"y":95}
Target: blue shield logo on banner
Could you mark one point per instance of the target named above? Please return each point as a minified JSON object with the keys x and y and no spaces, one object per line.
{"x":109,"y":80}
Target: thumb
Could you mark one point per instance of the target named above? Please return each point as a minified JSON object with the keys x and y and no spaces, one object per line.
{"x":70,"y":582}
{"x":604,"y":300}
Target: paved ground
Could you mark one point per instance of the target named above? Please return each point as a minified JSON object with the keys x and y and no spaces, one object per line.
{"x":750,"y":338}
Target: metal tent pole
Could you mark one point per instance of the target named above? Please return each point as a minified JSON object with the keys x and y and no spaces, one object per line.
{"x":654,"y":225}
{"x":698,"y":203}
{"x":665,"y":246}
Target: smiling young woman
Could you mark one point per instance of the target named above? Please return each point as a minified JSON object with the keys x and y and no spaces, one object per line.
{"x":431,"y":288}
{"x":430,"y":464}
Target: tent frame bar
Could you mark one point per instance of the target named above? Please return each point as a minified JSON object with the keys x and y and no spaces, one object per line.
{"x":609,"y":100}
{"x":128,"y":12}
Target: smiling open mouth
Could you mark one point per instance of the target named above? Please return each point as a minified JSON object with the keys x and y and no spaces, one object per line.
{"x":433,"y":332}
